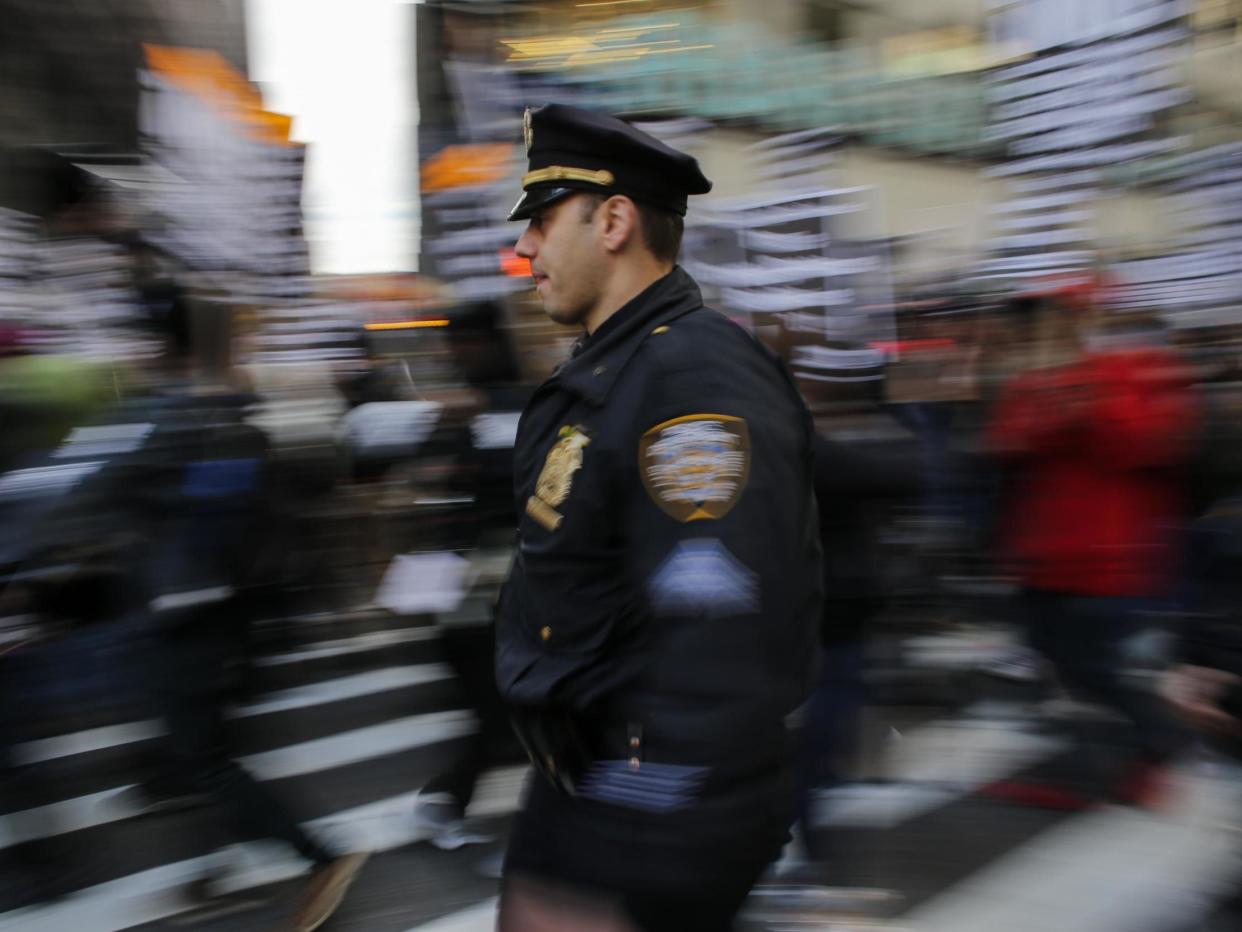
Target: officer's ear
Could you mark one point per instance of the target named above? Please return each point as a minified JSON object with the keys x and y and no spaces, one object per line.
{"x":619,"y":223}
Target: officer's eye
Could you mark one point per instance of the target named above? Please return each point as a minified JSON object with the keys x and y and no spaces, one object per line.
{"x":536,"y":222}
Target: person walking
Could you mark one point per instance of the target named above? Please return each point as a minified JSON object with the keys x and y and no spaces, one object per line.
{"x":659,"y":623}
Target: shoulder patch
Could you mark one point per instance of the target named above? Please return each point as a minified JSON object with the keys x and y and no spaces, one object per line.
{"x":695,"y":467}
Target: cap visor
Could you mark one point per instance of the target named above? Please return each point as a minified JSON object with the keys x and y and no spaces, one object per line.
{"x":535,"y":198}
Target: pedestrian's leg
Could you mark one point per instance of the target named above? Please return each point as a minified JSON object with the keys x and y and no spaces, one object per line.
{"x":1041,"y":616}
{"x":808,"y":783}
{"x":843,"y":678}
{"x":471,"y":651}
{"x":47,"y":861}
{"x":196,"y":745}
{"x":1065,"y":784}
{"x":1096,"y":667}
{"x":829,"y":736}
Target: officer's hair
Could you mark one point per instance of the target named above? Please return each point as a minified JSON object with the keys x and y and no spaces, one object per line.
{"x":662,"y":229}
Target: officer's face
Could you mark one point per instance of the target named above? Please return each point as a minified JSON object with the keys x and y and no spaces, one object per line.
{"x":567,"y":260}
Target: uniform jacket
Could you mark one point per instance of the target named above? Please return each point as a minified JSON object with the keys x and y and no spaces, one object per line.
{"x":666,"y":590}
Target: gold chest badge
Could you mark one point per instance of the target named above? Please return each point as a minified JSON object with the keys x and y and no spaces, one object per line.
{"x":556,"y":478}
{"x":528,"y":130}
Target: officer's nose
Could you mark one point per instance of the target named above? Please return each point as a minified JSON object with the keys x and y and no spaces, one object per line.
{"x":526,"y":246}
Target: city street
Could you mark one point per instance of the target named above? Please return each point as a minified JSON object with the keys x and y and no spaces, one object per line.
{"x":359,"y":722}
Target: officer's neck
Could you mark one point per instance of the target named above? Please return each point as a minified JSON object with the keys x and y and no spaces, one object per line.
{"x":629,"y":279}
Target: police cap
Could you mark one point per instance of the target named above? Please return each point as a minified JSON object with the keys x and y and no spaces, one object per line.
{"x":571,"y":149}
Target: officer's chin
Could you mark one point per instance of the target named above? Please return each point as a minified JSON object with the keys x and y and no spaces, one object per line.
{"x":563,"y":317}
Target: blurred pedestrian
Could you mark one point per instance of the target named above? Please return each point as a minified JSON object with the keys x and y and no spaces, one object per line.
{"x":1094,"y":440}
{"x":483,"y":477}
{"x":199,"y":494}
{"x":852,"y":485}
{"x":1204,"y":687}
{"x":658,"y":625}
{"x":865,"y":461}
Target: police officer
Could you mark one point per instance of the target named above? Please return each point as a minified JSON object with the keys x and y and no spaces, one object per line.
{"x":659,"y":621}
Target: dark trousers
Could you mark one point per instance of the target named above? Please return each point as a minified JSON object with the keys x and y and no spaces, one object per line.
{"x":471,"y":651}
{"x":188,"y":681}
{"x":693,"y":911}
{"x":830,"y":734}
{"x":49,"y":863}
{"x":1083,"y":637}
{"x":674,"y":883}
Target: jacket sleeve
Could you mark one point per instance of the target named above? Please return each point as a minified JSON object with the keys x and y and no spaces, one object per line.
{"x":723,"y":515}
{"x":1033,"y":416}
{"x":1142,"y":416}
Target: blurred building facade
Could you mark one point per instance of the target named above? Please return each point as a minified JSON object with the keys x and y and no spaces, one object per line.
{"x":927,"y":98}
{"x":71,"y":70}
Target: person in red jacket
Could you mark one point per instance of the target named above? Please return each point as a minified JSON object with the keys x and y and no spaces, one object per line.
{"x":1095,"y":443}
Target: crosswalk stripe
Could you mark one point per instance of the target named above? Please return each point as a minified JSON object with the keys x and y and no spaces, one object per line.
{"x":343,"y":647}
{"x":499,"y":791}
{"x":67,"y":815}
{"x":43,"y":750}
{"x":934,"y":764}
{"x":354,"y":686}
{"x":346,"y":748}
{"x":351,"y":747}
{"x":152,"y":895}
{"x":1113,"y":870}
{"x":346,"y":687}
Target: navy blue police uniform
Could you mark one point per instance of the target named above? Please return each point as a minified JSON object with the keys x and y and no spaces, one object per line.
{"x":658,"y":626}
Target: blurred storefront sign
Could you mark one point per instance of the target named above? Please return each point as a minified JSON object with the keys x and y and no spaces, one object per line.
{"x":920,"y":92}
{"x":237,"y":215}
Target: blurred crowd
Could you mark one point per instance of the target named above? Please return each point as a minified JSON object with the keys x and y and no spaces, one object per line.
{"x":169,"y":516}
{"x":193,"y":476}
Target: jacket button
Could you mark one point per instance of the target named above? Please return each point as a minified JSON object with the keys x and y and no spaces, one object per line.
{"x":600,"y":370}
{"x":635,"y":763}
{"x":551,"y":762}
{"x":634,"y":742}
{"x":663,"y":328}
{"x":545,"y":633}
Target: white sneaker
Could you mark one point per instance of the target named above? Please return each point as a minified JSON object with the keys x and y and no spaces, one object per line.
{"x":438,"y":821}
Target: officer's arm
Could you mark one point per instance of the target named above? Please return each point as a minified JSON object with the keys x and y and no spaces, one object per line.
{"x":723,"y":514}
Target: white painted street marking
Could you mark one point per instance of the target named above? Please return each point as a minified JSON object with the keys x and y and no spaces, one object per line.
{"x":1111,"y":870}
{"x":343,"y":647}
{"x":347,"y":687}
{"x":296,"y":760}
{"x":282,"y":700}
